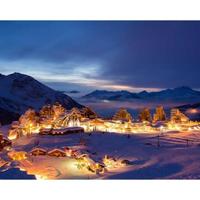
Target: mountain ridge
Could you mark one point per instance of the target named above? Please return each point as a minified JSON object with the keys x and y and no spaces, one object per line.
{"x":18,"y":92}
{"x":175,"y":93}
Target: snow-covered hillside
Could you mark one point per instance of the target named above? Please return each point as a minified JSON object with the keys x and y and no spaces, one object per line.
{"x":18,"y":92}
{"x":176,"y":157}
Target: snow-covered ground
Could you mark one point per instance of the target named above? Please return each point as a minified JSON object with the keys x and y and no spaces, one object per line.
{"x":171,"y":156}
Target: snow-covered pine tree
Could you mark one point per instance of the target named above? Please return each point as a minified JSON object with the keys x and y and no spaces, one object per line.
{"x":88,"y":113}
{"x":159,"y":114}
{"x":29,"y":121}
{"x":145,"y":115}
{"x":123,"y":115}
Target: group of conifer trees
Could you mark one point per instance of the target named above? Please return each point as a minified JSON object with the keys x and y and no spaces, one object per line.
{"x":144,"y":115}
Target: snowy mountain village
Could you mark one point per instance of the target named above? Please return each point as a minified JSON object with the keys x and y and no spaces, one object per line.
{"x":39,"y":136}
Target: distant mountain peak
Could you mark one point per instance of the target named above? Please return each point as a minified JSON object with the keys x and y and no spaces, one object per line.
{"x":183,"y":88}
{"x":17,"y":78}
{"x":143,"y":92}
{"x":18,"y":75}
{"x":179,"y":93}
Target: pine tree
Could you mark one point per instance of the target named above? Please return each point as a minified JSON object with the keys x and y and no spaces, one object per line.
{"x":145,"y":115}
{"x":159,"y":114}
{"x":58,"y":110}
{"x":46,"y":112}
{"x":74,"y":117}
{"x":123,"y":115}
{"x":88,"y":113}
{"x":29,"y":120}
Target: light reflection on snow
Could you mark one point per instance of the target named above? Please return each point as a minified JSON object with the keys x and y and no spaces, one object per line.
{"x":144,"y":157}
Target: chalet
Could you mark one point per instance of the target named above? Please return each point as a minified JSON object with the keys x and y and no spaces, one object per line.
{"x":38,"y":152}
{"x":57,"y":153}
{"x":68,"y":130}
{"x":45,"y":131}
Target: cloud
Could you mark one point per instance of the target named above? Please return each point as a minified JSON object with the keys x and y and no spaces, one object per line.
{"x":109,"y":55}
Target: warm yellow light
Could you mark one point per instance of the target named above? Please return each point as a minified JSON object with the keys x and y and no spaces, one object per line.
{"x":112,"y":163}
{"x":17,"y":155}
{"x":12,"y":137}
{"x":40,"y":177}
{"x":192,"y":111}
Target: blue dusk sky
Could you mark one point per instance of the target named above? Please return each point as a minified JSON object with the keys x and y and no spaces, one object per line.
{"x":111,"y":55}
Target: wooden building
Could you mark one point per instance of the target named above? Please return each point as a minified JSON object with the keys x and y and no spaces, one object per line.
{"x":57,"y":153}
{"x":38,"y":152}
{"x":68,"y":130}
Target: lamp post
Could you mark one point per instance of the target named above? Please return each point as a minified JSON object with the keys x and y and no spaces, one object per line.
{"x":158,"y":137}
{"x":158,"y":141}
